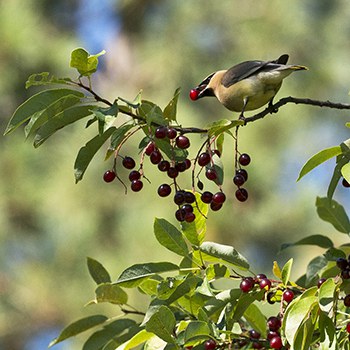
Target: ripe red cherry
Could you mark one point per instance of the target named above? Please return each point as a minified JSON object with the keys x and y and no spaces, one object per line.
{"x":254,"y":334}
{"x":210,"y":174}
{"x":172,"y":172}
{"x":274,"y":323}
{"x":320,"y":282}
{"x":246,"y":285}
{"x":189,"y":197}
{"x":194,"y":94}
{"x":288,"y":295}
{"x":155,"y":157}
{"x":163,"y":165}
{"x":347,"y":300}
{"x":242,"y":172}
{"x":182,"y":142}
{"x":342,"y":263}
{"x":180,"y":215}
{"x":164,"y":190}
{"x":190,"y":217}
{"x":272,"y":334}
{"x":242,"y":194}
{"x":109,"y":176}
{"x":179,"y":197}
{"x":136,"y":185}
{"x":171,"y":133}
{"x":219,"y":197}
{"x":206,"y":197}
{"x":134,"y":175}
{"x":244,"y":159}
{"x":215,"y":206}
{"x":128,"y":163}
{"x":161,"y":132}
{"x":348,"y":327}
{"x":210,"y":344}
{"x":265,"y":283}
{"x":238,"y":180}
{"x":204,"y":159}
{"x":276,"y":343}
{"x":150,"y":148}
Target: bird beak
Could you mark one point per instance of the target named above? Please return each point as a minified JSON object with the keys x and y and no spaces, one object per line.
{"x":203,"y":89}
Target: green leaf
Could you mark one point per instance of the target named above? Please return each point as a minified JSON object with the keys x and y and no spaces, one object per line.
{"x":244,"y":301}
{"x":44,"y":78}
{"x":341,"y":161}
{"x":110,"y":293}
{"x":293,"y":319}
{"x":37,"y":103}
{"x":170,"y":237}
{"x":216,"y":304}
{"x":172,"y":153}
{"x":318,"y":159}
{"x":97,"y":271}
{"x":134,"y":274}
{"x":255,"y":318}
{"x":334,"y":213}
{"x":196,"y":230}
{"x":100,"y":338}
{"x":314,"y":268}
{"x":220,"y":143}
{"x":170,"y":110}
{"x":327,"y":330}
{"x":317,"y":240}
{"x":196,"y":330}
{"x":87,"y":152}
{"x":79,"y":326}
{"x":223,"y":252}
{"x":326,"y":295}
{"x":222,"y":125}
{"x":66,"y":117}
{"x":57,"y":107}
{"x":216,"y":271}
{"x":152,"y":113}
{"x":162,"y":324}
{"x":139,"y":338}
{"x":85,"y":63}
{"x":345,"y":171}
{"x":286,"y":270}
{"x":133,"y":104}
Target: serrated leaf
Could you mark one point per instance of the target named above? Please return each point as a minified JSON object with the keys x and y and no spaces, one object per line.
{"x":196,"y":330}
{"x":196,"y":230}
{"x":110,"y":293}
{"x":170,"y":237}
{"x":162,"y":324}
{"x":286,"y":270}
{"x":171,"y":108}
{"x":134,"y":274}
{"x":79,"y":326}
{"x":44,"y":78}
{"x":85,"y":63}
{"x":97,"y":271}
{"x":334,"y":213}
{"x":59,"y":121}
{"x":37,"y":103}
{"x":224,"y":253}
{"x":317,"y":240}
{"x":318,"y":159}
{"x":100,"y":338}
{"x":345,"y":171}
{"x":326,"y":295}
{"x":87,"y":152}
{"x":56,"y":108}
{"x":255,"y":318}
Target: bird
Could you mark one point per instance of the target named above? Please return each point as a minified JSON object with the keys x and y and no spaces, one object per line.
{"x":248,"y":85}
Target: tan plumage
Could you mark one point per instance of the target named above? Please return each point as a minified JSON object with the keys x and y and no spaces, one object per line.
{"x":248,"y":85}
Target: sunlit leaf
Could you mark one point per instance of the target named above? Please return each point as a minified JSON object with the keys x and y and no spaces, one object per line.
{"x":110,"y":293}
{"x":162,"y":324}
{"x":139,"y":338}
{"x":37,"y":103}
{"x":286,"y":270}
{"x":345,"y":171}
{"x":85,"y":63}
{"x":222,"y":125}
{"x":45,"y":78}
{"x":255,"y":318}
{"x":137,"y":272}
{"x":317,"y":240}
{"x":326,"y":295}
{"x":59,"y":121}
{"x":334,"y":213}
{"x":276,"y":270}
{"x":223,"y":252}
{"x":314,"y":268}
{"x":97,"y":271}
{"x":79,"y":326}
{"x":87,"y":152}
{"x":171,"y":108}
{"x":196,"y":330}
{"x":318,"y":159}
{"x":170,"y":237}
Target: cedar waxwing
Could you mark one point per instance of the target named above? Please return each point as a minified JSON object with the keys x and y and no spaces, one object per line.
{"x":246,"y":86}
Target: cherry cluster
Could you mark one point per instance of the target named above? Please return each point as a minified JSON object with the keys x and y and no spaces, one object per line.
{"x":185,"y":200}
{"x":344,"y":266}
{"x":241,"y":177}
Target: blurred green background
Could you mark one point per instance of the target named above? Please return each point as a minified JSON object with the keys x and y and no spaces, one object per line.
{"x":49,"y":225}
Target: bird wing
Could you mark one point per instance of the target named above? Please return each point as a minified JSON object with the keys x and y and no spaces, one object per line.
{"x":248,"y":68}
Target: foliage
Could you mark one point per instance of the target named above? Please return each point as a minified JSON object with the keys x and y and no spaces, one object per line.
{"x":202,"y":297}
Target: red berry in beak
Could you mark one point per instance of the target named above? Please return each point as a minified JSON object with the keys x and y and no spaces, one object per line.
{"x":194,"y":94}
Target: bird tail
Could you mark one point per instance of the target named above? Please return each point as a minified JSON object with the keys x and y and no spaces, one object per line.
{"x":297,"y":67}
